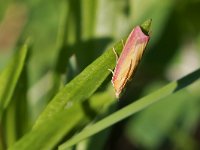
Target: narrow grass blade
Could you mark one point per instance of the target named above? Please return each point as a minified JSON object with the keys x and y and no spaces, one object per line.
{"x":10,"y":76}
{"x":133,"y":108}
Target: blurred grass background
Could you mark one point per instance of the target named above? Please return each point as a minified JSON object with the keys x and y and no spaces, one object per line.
{"x":67,"y":35}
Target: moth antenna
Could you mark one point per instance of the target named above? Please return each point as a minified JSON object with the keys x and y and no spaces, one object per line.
{"x":116,"y":55}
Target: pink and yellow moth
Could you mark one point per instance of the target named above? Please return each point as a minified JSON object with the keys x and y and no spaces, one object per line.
{"x":129,"y":59}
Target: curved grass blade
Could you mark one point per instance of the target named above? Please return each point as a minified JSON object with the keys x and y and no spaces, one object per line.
{"x":15,"y":120}
{"x":10,"y":76}
{"x":131,"y":109}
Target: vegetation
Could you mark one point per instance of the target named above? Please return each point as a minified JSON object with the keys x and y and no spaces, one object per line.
{"x":55,"y":89}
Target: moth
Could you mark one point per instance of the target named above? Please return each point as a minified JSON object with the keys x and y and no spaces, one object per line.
{"x":129,"y":59}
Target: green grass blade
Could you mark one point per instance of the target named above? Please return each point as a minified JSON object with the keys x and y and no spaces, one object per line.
{"x":17,"y":108}
{"x":10,"y":76}
{"x":133,"y":108}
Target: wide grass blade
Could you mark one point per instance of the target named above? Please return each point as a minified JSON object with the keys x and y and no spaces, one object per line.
{"x":83,"y":86}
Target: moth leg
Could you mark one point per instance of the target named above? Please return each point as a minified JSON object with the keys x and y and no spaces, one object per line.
{"x":111,"y":71}
{"x":112,"y":74}
{"x":116,"y":55}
